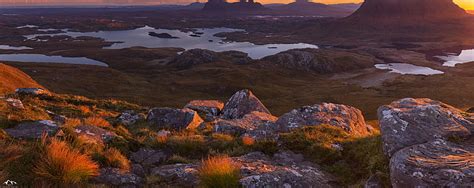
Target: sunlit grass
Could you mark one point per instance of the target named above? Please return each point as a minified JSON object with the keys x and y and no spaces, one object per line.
{"x":60,"y":164}
{"x":96,"y":121}
{"x":218,"y":172}
{"x":116,"y":159}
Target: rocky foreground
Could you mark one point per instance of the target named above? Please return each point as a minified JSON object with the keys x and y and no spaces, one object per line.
{"x":428,"y":143}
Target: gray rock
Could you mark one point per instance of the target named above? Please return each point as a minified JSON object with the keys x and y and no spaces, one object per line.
{"x":437,"y":163}
{"x":31,"y":91}
{"x":149,"y":158}
{"x":130,"y":117}
{"x":373,"y":182}
{"x":195,"y":57}
{"x":408,"y":122}
{"x":241,"y":103}
{"x":33,"y":130}
{"x":249,"y":122}
{"x":138,"y":170}
{"x":346,"y":117}
{"x":181,"y":175}
{"x":283,"y":170}
{"x":15,"y":103}
{"x":94,"y":134}
{"x":209,"y":109}
{"x":175,"y":119}
{"x":115,"y":177}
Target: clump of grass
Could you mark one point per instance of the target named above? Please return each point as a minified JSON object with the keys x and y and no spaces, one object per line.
{"x":248,"y":140}
{"x":219,"y":171}
{"x":114,"y":158}
{"x":193,"y":146}
{"x":72,"y":122}
{"x":175,"y":159}
{"x":84,"y":109}
{"x":60,"y":164}
{"x":96,"y":121}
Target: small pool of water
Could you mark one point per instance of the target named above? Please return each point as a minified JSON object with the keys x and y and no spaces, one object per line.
{"x":404,"y":68}
{"x":200,"y":38}
{"x":40,"y":58}
{"x":8,"y":47}
{"x":451,"y":60}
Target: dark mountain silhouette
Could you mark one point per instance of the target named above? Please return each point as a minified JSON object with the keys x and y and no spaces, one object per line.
{"x":242,"y":5}
{"x":408,"y":10}
{"x":310,"y":8}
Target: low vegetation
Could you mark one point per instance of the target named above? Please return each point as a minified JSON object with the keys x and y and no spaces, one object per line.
{"x":352,"y":159}
{"x":219,"y":171}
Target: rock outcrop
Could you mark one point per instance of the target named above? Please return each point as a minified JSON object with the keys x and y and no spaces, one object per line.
{"x":320,"y":60}
{"x":175,"y":119}
{"x":178,"y":175}
{"x":418,"y":136}
{"x":409,"y":121}
{"x":93,"y":134}
{"x":194,"y":57}
{"x":250,"y":122}
{"x":33,"y":130}
{"x":346,"y":117}
{"x":115,"y":177}
{"x":15,"y":103}
{"x":437,"y":163}
{"x":209,"y":109}
{"x":31,"y":91}
{"x":149,"y":158}
{"x":241,"y":103}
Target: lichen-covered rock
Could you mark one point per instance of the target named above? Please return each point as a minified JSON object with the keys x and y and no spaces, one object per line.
{"x":175,"y":119}
{"x":241,"y":103}
{"x":31,"y":91}
{"x":33,"y":130}
{"x":15,"y":103}
{"x":346,"y":117}
{"x":409,"y":121}
{"x":130,"y":117}
{"x":180,"y":175}
{"x":94,"y":134}
{"x":249,"y":122}
{"x":437,"y":163}
{"x":283,"y":170}
{"x":115,"y":177}
{"x":209,"y":109}
{"x":149,"y":157}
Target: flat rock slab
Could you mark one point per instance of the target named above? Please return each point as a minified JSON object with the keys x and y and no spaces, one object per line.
{"x":94,"y":134}
{"x":33,"y":130}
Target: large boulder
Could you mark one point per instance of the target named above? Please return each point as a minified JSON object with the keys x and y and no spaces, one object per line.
{"x":118,"y":178}
{"x":241,"y":103}
{"x":209,"y":109}
{"x":175,"y":119}
{"x":437,"y":163}
{"x":249,"y":122}
{"x":33,"y":130}
{"x":409,"y":121}
{"x":346,"y":117}
{"x":93,"y":134}
{"x":284,"y":169}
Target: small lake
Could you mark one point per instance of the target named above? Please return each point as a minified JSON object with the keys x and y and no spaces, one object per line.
{"x":40,"y":58}
{"x":8,"y":47}
{"x":404,"y":68}
{"x":451,"y":60}
{"x":199,"y":38}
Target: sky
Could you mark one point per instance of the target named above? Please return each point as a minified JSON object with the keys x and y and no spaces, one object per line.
{"x":466,"y":4}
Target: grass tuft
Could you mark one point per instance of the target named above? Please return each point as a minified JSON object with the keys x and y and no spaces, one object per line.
{"x":114,"y":158}
{"x":62,"y":165}
{"x":96,"y":121}
{"x":219,"y":171}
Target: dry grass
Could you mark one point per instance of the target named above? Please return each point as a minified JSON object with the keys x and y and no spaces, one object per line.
{"x":9,"y":152}
{"x":61,"y":164}
{"x":114,"y":158}
{"x":11,"y":78}
{"x":72,"y":122}
{"x":219,"y":171}
{"x":248,"y":141}
{"x":96,"y":121}
{"x":84,"y":109}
